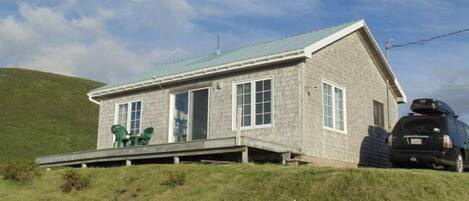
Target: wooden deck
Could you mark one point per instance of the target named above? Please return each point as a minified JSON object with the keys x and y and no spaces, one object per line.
{"x":171,"y":150}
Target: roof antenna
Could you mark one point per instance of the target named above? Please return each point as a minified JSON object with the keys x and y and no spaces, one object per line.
{"x":218,"y":45}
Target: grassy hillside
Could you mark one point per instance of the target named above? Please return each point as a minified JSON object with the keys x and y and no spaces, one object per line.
{"x":247,"y":182}
{"x":44,"y":113}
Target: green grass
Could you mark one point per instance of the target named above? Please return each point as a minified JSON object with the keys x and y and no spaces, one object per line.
{"x":44,"y":113}
{"x":247,"y":182}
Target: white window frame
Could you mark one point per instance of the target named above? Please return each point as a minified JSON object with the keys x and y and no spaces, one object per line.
{"x":253,"y":103}
{"x":129,"y":113}
{"x":334,"y":85}
{"x":189,"y":124}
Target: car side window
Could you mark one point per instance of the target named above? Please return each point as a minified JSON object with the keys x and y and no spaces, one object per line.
{"x":461,"y":128}
{"x":467,"y":131}
{"x":451,"y":126}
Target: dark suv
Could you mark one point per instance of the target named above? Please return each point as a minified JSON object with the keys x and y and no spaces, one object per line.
{"x":433,"y":136}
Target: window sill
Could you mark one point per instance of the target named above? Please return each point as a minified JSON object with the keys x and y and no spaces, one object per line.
{"x":254,"y":127}
{"x":335,"y":130}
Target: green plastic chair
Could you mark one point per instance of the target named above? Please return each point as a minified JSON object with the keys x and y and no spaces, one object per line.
{"x":120,"y":132}
{"x":146,"y":136}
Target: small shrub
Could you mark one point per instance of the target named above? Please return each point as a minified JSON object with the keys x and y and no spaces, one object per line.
{"x":75,"y":181}
{"x":2,"y":169}
{"x":175,"y":178}
{"x":20,"y":170}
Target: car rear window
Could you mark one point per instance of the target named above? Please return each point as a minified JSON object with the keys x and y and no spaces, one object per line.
{"x":422,"y":125}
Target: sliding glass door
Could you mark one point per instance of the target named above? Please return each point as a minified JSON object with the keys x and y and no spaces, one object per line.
{"x":199,"y":114}
{"x":189,"y":115}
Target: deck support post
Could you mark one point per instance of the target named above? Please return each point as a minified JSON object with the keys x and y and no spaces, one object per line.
{"x":176,"y":159}
{"x":285,"y":157}
{"x":128,"y":162}
{"x":245,"y":156}
{"x":83,"y":165}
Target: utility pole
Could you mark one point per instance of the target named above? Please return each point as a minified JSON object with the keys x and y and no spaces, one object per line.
{"x":387,"y":47}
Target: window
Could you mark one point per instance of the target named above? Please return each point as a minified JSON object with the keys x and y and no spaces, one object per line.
{"x":255,"y":100}
{"x":461,"y":128}
{"x":129,"y":119}
{"x":333,"y":106}
{"x":467,"y":130}
{"x":378,"y":114}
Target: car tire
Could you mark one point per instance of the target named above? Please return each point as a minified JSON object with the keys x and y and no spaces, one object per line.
{"x":459,"y":167}
{"x":398,"y":165}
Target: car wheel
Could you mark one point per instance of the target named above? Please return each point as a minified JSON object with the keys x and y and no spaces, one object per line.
{"x":398,"y":165}
{"x":459,"y":167}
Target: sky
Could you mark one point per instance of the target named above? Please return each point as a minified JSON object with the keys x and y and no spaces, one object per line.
{"x":109,"y":40}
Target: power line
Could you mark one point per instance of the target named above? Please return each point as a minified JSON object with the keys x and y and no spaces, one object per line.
{"x":389,"y":45}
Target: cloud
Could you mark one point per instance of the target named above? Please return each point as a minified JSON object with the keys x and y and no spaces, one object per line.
{"x":226,"y":9}
{"x":111,"y":41}
{"x":44,"y":38}
{"x":453,"y":89}
{"x":438,"y":70}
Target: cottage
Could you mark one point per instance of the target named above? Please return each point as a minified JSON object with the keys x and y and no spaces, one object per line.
{"x":327,"y":97}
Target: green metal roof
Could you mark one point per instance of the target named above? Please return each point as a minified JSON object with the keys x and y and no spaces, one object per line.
{"x":291,"y":43}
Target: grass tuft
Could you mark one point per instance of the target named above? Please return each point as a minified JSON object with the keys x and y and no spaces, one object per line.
{"x":75,"y":181}
{"x":175,"y":178}
{"x":21,"y":171}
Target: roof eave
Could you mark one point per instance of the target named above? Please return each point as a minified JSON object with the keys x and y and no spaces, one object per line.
{"x":285,"y":56}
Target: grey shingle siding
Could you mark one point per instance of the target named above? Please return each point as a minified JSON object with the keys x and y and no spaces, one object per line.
{"x":155,"y":107}
{"x":347,"y":63}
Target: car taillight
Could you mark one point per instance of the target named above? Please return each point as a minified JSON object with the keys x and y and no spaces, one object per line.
{"x":447,"y":143}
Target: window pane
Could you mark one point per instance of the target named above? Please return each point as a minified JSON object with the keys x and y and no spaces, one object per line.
{"x":239,"y":89}
{"x":247,"y":110}
{"x":244,"y":101}
{"x":267,"y":96}
{"x":263,"y":104}
{"x":247,"y":99}
{"x":135,"y":118}
{"x":247,"y":88}
{"x":180,"y":115}
{"x":259,"y":108}
{"x":199,"y":114}
{"x":327,"y":104}
{"x":267,"y":86}
{"x":239,"y":100}
{"x":259,"y":119}
{"x":122,"y":115}
{"x":267,"y":107}
{"x":259,"y":97}
{"x":339,"y":109}
{"x":259,"y":86}
{"x":247,"y":121}
{"x":267,"y":118}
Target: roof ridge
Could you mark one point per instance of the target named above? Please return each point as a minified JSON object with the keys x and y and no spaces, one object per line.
{"x":295,"y":35}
